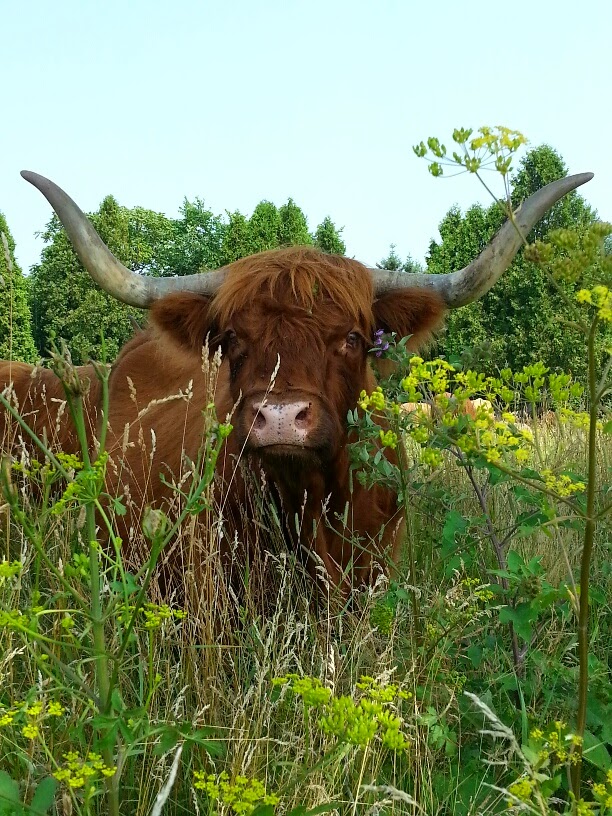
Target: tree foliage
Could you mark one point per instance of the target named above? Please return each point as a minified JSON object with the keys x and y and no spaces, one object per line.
{"x":293,"y":228}
{"x":16,"y":341}
{"x":394,"y":263}
{"x":523,"y":318}
{"x":327,"y":237}
{"x":65,"y":301}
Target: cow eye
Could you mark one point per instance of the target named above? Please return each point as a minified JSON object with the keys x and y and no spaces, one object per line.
{"x":231,"y":335}
{"x":352,"y":339}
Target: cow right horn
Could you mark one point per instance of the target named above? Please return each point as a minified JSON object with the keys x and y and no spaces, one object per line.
{"x":473,"y":281}
{"x":115,"y":278}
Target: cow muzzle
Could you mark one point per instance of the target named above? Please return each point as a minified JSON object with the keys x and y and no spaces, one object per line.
{"x":284,"y":424}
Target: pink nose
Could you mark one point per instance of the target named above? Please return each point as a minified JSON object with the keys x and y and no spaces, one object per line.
{"x":286,"y":423}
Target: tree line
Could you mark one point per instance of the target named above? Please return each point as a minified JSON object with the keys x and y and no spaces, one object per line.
{"x":521,"y":320}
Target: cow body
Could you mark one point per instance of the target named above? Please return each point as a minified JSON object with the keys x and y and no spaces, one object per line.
{"x":295,"y":327}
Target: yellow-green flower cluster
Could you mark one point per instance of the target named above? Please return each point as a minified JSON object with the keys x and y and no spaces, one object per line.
{"x":576,"y":419}
{"x":452,"y":416}
{"x":522,"y":790}
{"x":80,"y":773}
{"x":556,"y":743}
{"x":463,"y":604}
{"x":358,"y":723}
{"x":241,"y":794}
{"x":154,"y":614}
{"x":600,"y":297}
{"x":477,"y":590}
{"x":355,"y":722}
{"x":603,"y":792}
{"x":85,"y":487}
{"x":494,"y":145}
{"x":310,"y":689}
{"x":374,"y":402}
{"x":382,"y":692}
{"x":562,"y":485}
{"x":8,"y":569}
{"x":431,"y":376}
{"x":567,"y":254}
{"x":69,"y":461}
{"x":388,"y":439}
{"x":30,"y":716}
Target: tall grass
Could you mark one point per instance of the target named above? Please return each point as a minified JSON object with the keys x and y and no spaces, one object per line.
{"x":203,"y":683}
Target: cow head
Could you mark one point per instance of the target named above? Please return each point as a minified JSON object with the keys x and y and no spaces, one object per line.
{"x":295,"y":326}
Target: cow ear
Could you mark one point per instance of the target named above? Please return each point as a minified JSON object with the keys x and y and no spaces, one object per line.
{"x":417,"y":312}
{"x":186,"y":318}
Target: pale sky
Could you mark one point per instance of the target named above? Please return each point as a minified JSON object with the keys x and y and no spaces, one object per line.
{"x":236,"y":101}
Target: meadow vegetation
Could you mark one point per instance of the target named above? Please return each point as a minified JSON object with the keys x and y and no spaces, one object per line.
{"x":473,"y":679}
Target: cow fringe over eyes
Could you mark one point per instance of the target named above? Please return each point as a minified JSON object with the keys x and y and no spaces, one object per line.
{"x":301,"y":275}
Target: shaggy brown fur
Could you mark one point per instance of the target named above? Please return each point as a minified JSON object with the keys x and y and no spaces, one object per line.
{"x":306,"y":315}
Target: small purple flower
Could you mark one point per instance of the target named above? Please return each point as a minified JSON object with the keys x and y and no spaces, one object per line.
{"x":379,"y":342}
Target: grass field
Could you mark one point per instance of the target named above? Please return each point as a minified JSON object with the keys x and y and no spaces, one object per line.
{"x":262,"y":695}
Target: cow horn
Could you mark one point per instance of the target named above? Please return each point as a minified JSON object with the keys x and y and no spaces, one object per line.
{"x":473,"y":281}
{"x":115,"y":278}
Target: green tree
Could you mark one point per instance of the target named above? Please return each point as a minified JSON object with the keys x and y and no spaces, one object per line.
{"x":523,"y":318}
{"x":394,"y":263}
{"x":67,"y":303}
{"x":237,"y":241}
{"x":327,"y":237}
{"x":196,"y":241}
{"x":293,"y":230}
{"x":264,"y":226}
{"x":16,"y":341}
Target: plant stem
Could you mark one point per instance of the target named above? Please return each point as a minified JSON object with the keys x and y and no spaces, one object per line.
{"x":585,"y":564}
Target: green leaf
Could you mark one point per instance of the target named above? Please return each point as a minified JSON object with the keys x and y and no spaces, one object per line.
{"x":455,"y":523}
{"x":595,"y":752}
{"x":521,"y":617}
{"x":119,"y":507}
{"x":474,"y":654}
{"x":167,"y":740}
{"x":514,"y":561}
{"x":10,"y":804}
{"x":127,"y":586}
{"x":43,"y":796}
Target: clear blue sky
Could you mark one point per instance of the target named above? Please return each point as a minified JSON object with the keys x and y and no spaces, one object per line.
{"x":236,"y":101}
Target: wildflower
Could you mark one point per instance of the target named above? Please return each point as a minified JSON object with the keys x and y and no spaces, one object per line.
{"x":431,"y":457}
{"x":55,"y":709}
{"x":31,"y":731}
{"x":521,"y":789}
{"x":380,"y":342}
{"x":7,"y":717}
{"x":82,"y":773}
{"x":242,"y":795}
{"x":584,"y":296}
{"x":8,"y":569}
{"x":388,"y":439}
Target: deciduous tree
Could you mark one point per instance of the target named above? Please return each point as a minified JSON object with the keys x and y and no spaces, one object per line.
{"x":16,"y":341}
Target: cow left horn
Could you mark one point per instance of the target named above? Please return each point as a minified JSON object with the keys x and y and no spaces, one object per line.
{"x":115,"y":278}
{"x":473,"y":281}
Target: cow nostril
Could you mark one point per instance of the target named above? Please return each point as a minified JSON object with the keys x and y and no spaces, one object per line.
{"x":259,"y":421}
{"x":302,"y":419}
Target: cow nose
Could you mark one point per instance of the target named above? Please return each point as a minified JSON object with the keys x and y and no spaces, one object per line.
{"x":285,"y":423}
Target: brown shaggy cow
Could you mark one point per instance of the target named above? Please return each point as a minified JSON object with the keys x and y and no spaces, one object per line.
{"x":295,"y":326}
